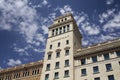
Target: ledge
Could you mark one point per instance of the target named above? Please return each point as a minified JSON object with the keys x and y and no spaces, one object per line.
{"x":110,"y":45}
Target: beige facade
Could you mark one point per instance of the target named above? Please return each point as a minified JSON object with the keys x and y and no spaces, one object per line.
{"x":31,"y":71}
{"x":61,"y":44}
{"x":66,"y":59}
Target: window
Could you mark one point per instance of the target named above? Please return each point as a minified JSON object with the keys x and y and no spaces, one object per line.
{"x":56,"y":31}
{"x":48,"y":67}
{"x":64,"y":29}
{"x":106,"y":56}
{"x":108,"y":67}
{"x":57,"y":65}
{"x":66,"y":52}
{"x":67,"y":41}
{"x":56,"y":75}
{"x":65,"y":18}
{"x":59,"y":44}
{"x":1,"y":77}
{"x":111,"y":77}
{"x":49,"y":56}
{"x":94,"y":59}
{"x":58,"y":21}
{"x":119,"y":62}
{"x":16,"y":75}
{"x":35,"y":71}
{"x":68,"y":27}
{"x":25,"y":73}
{"x":52,"y":32}
{"x":95,"y":69}
{"x":83,"y":61}
{"x":57,"y":54}
{"x":83,"y":72}
{"x":66,"y":63}
{"x":62,"y":20}
{"x":50,"y":46}
{"x":118,"y":53}
{"x":66,"y":73}
{"x":8,"y":77}
{"x":97,"y":78}
{"x":60,"y":31}
{"x":47,"y":77}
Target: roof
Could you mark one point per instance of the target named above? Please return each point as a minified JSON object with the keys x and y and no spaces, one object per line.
{"x":32,"y":64}
{"x":98,"y":47}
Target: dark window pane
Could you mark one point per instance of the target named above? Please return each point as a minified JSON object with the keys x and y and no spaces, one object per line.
{"x":68,"y":27}
{"x":106,"y":56}
{"x":49,"y":56}
{"x":57,"y":54}
{"x":111,"y":77}
{"x":48,"y":67}
{"x":46,"y":76}
{"x":52,"y":32}
{"x":95,"y":69}
{"x":98,"y":78}
{"x":66,"y":73}
{"x":64,"y":29}
{"x":67,"y":41}
{"x":60,"y":30}
{"x":66,"y":52}
{"x":66,"y":63}
{"x":118,"y":53}
{"x":59,"y":44}
{"x":50,"y":46}
{"x":83,"y":61}
{"x":94,"y":59}
{"x":83,"y":72}
{"x":108,"y":67}
{"x":56,"y":75}
{"x":57,"y":65}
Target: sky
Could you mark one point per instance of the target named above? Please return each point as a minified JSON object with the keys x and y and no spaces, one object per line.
{"x":24,"y":25}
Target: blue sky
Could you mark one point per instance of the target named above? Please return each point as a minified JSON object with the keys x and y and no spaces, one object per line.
{"x":24,"y":25}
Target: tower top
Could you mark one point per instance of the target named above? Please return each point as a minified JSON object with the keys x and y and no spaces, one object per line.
{"x":64,"y":16}
{"x":68,"y":17}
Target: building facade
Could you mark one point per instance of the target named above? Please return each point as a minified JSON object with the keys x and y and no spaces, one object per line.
{"x":31,"y":71}
{"x":66,"y":59}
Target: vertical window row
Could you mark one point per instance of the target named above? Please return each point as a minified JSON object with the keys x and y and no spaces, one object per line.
{"x":60,"y":30}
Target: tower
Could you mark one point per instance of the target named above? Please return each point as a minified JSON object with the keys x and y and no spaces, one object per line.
{"x":63,"y":40}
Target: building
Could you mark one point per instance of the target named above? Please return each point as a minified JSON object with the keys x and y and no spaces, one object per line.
{"x":66,"y":59}
{"x":31,"y":71}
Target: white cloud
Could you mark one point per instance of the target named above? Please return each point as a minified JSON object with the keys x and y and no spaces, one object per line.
{"x":65,"y":9}
{"x":85,"y":42}
{"x":80,"y":17}
{"x":106,"y":15}
{"x":12,"y":62}
{"x":113,"y":24}
{"x":25,"y":20}
{"x":108,"y":2}
{"x":44,"y":2}
{"x":45,"y":29}
{"x":90,"y":29}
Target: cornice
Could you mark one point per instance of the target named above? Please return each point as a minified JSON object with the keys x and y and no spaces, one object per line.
{"x":61,"y":23}
{"x":98,"y":48}
{"x":21,"y":67}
